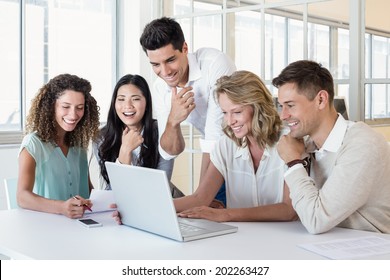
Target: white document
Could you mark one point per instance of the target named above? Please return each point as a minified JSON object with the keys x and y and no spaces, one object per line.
{"x":354,"y":248}
{"x":101,"y":200}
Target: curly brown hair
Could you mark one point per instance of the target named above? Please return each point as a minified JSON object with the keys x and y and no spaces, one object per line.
{"x":41,"y":117}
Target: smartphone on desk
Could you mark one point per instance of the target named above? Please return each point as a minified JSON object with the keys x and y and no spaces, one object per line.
{"x":89,"y":223}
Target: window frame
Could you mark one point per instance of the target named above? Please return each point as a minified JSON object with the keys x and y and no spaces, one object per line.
{"x":8,"y":137}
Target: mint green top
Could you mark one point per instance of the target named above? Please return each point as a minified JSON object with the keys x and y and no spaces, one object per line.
{"x":57,"y":176}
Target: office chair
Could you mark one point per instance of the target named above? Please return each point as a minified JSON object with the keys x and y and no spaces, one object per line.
{"x":10,"y":185}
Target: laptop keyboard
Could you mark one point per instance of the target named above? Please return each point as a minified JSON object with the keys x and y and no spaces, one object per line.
{"x":188,"y":228}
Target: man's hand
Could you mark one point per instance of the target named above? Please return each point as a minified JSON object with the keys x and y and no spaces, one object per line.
{"x":290,"y":148}
{"x":183,"y":103}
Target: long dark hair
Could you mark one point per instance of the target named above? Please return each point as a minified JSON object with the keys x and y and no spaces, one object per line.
{"x":111,"y":133}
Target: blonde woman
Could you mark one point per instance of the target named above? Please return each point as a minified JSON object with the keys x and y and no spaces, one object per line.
{"x":245,"y":158}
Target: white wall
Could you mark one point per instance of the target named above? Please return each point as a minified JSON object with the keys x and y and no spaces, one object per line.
{"x":8,"y":168}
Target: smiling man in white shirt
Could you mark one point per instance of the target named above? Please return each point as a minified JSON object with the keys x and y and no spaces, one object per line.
{"x":184,"y":89}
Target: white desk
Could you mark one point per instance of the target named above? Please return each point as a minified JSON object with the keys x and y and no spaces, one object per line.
{"x":33,"y":235}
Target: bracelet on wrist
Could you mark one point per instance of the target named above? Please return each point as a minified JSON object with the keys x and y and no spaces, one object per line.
{"x":304,"y":162}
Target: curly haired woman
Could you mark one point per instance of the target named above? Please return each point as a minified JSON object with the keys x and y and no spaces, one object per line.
{"x":53,"y":165}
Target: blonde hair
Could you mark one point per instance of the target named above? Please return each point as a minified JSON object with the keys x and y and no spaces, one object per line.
{"x":246,"y":88}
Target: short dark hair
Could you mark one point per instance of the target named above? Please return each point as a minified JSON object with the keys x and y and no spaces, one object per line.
{"x":161,"y":32}
{"x":309,"y":76}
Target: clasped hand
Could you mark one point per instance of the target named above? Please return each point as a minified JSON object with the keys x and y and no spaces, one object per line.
{"x":131,"y":138}
{"x":290,"y":148}
{"x":182,"y":104}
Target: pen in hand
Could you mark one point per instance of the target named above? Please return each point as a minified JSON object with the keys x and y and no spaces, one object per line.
{"x":85,"y":205}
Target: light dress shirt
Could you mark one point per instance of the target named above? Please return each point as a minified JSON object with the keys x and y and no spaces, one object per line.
{"x":57,"y":176}
{"x":206,"y":66}
{"x":349,"y":183}
{"x":328,"y":149}
{"x":246,"y":187}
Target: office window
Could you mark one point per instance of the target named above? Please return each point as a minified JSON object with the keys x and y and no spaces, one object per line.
{"x":245,"y":32}
{"x":377,"y":85}
{"x":295,"y":37}
{"x":377,"y":99}
{"x":210,"y":25}
{"x":179,"y":7}
{"x":377,"y":61}
{"x":57,"y":37}
{"x":319,"y":43}
{"x":379,"y":57}
{"x":342,"y":53}
{"x":275,"y":45}
{"x":10,"y":110}
{"x":202,"y":6}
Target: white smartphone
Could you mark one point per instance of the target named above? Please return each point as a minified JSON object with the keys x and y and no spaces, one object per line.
{"x":90,"y":223}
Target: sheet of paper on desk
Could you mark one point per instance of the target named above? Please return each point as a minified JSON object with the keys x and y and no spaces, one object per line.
{"x":101,"y":200}
{"x":354,"y":248}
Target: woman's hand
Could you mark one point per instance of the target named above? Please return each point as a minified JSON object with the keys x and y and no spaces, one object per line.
{"x":131,"y":139}
{"x":204,"y":212}
{"x":116,"y":215}
{"x":74,"y":207}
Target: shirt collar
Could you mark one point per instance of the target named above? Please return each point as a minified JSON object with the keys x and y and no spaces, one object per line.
{"x":193,"y":68}
{"x":335,"y":138}
{"x":245,"y":153}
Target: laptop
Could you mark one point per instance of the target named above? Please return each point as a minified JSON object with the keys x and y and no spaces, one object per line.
{"x":144,"y":201}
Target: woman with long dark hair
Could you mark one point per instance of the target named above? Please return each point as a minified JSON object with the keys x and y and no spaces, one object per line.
{"x":130,"y":135}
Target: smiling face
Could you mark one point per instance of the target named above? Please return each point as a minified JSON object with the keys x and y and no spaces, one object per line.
{"x":69,"y":110}
{"x":298,"y":112}
{"x":130,"y":105}
{"x":170,"y":65}
{"x":237,"y":117}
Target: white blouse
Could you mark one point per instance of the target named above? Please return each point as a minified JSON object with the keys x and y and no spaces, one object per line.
{"x":244,"y":187}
